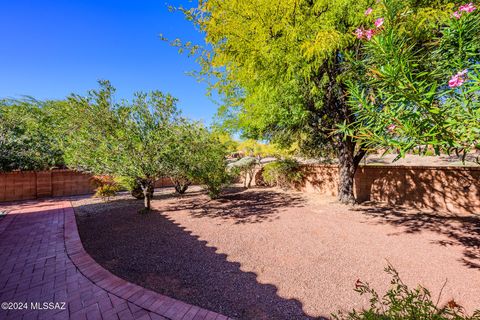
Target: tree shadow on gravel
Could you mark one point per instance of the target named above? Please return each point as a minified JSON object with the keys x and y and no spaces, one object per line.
{"x":463,"y":231}
{"x":240,"y":205}
{"x":157,"y":253}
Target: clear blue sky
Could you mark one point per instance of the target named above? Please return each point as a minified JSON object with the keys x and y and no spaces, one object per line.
{"x":51,"y":48}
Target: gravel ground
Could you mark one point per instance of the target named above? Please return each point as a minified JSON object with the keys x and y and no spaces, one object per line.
{"x":267,"y":254}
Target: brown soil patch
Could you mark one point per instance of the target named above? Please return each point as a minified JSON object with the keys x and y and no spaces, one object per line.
{"x":268,"y":254}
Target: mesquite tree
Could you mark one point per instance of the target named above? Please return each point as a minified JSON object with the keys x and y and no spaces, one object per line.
{"x":126,"y":139}
{"x":283,"y":67}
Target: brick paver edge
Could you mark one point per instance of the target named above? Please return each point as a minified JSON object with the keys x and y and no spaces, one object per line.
{"x":149,"y":300}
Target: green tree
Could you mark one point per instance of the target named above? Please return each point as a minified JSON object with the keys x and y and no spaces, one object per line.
{"x":27,"y":140}
{"x":282,"y":68}
{"x":192,"y":155}
{"x":130,"y":140}
{"x":209,"y":163}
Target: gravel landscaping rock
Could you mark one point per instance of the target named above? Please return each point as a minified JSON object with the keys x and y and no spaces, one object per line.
{"x":269,"y":254}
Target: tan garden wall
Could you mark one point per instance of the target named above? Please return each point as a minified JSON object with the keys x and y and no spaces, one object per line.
{"x":26,"y":185}
{"x":452,"y":189}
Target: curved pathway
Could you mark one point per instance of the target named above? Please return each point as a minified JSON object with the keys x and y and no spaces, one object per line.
{"x":46,"y":273}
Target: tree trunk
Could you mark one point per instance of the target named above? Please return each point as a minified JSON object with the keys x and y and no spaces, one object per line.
{"x":181,"y":185}
{"x":348,"y":164}
{"x":147,"y":187}
{"x":250,"y":179}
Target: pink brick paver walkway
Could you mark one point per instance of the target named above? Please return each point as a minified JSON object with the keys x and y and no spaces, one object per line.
{"x":43,"y":260}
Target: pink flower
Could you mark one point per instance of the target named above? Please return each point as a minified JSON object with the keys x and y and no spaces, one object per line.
{"x":468,"y":7}
{"x":368,"y":11}
{"x":391,"y":128}
{"x":359,"y":33}
{"x":369,"y":34}
{"x":458,"y":79}
{"x":457,"y":15}
{"x":379,"y":22}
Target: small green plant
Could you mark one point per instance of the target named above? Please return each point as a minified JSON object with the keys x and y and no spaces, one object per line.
{"x":282,"y":173}
{"x":106,"y":187}
{"x":401,"y":303}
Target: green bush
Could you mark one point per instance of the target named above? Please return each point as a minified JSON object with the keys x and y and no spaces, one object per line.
{"x":106,"y":187}
{"x":209,"y":165}
{"x":282,"y":173}
{"x":401,"y":303}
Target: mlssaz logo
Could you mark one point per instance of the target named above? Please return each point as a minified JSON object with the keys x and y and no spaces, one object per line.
{"x":48,"y":306}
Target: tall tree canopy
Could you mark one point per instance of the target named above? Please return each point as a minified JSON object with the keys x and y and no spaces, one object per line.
{"x":27,"y":141}
{"x":130,"y":140}
{"x":283,"y":68}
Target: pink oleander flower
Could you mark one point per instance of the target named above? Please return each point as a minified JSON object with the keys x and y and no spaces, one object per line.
{"x":456,"y":15}
{"x":369,"y":34}
{"x":359,"y":33}
{"x":379,"y":22}
{"x":458,"y":79}
{"x":391,"y":128}
{"x":368,"y":11}
{"x":468,"y":8}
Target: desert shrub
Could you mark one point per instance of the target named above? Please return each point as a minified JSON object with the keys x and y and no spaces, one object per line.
{"x":209,"y":164}
{"x":214,"y":178}
{"x":107,"y":187}
{"x":401,"y":302}
{"x":282,"y":173}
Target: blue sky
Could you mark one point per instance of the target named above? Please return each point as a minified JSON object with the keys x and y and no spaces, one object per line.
{"x":49,"y":49}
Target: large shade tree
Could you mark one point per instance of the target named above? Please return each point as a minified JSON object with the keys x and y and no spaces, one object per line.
{"x":124,"y":139}
{"x":283,"y":69}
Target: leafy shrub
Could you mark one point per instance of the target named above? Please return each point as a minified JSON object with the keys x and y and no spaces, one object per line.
{"x":206,"y":163}
{"x":282,"y":173}
{"x":215,"y":179}
{"x":400,"y":303}
{"x":27,"y":137}
{"x":106,"y":187}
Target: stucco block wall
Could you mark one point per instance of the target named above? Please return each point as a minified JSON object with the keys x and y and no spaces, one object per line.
{"x":452,"y":189}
